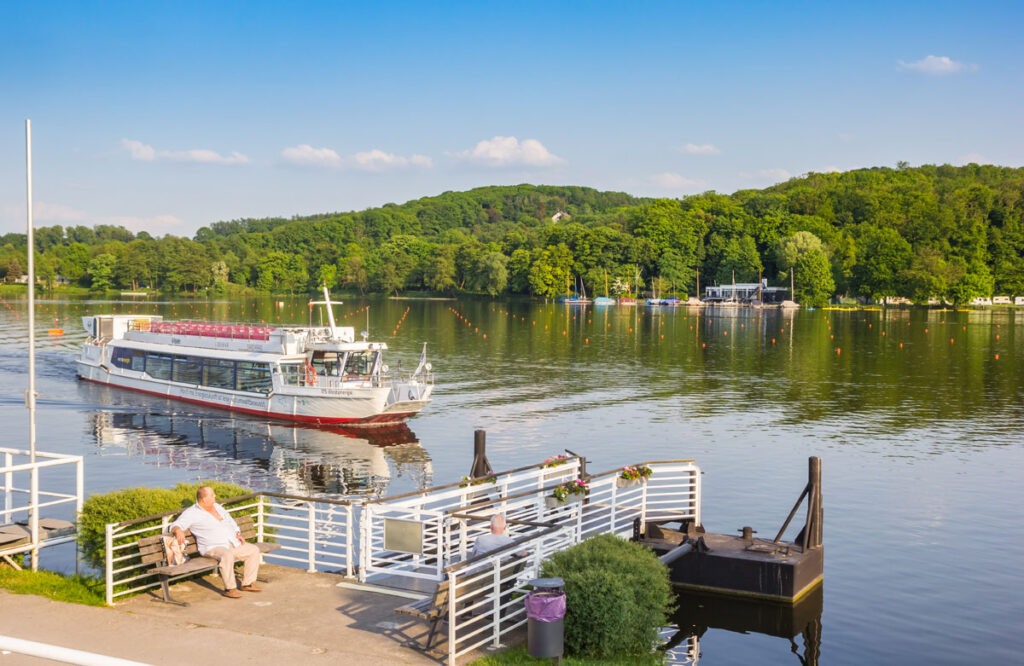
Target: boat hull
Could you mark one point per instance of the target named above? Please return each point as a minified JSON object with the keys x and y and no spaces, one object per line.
{"x":361,"y":407}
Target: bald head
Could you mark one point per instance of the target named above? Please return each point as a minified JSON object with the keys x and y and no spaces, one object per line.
{"x":205,"y":496}
{"x":498,"y":524}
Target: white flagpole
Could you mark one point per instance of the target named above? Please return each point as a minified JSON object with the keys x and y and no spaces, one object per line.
{"x":30,"y":396}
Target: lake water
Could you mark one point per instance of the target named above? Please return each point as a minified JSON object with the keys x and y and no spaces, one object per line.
{"x":917,"y":415}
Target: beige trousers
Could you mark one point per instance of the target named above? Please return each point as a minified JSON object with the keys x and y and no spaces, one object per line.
{"x":227,"y":557}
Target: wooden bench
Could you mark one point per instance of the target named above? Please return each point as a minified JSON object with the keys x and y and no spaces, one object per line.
{"x":434,"y":609}
{"x":152,"y":551}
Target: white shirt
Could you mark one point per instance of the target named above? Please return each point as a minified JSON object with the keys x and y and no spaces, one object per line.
{"x":485,"y":543}
{"x":209,"y":532}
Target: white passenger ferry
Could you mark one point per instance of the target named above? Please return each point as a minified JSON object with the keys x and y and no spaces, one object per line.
{"x":319,"y":375}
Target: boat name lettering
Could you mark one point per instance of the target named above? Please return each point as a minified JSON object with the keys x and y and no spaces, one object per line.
{"x":330,"y":391}
{"x":210,"y":396}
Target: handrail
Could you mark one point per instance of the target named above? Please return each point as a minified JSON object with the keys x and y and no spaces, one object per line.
{"x":498,"y":551}
{"x":235,"y":500}
{"x":500,"y":474}
{"x":617,"y":470}
{"x":500,"y":500}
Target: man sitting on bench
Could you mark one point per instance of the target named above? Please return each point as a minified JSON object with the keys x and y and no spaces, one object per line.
{"x":217,"y":536}
{"x":497,"y":538}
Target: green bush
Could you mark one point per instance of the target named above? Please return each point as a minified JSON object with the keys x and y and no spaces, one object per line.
{"x":131,"y":503}
{"x":618,"y":596}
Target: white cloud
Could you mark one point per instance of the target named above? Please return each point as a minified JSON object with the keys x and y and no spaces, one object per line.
{"x":700,"y":149}
{"x":936,"y":65}
{"x":146,"y":153}
{"x":502,"y":151}
{"x":830,"y":169}
{"x":675,"y":181}
{"x":976,"y":158}
{"x":767,"y":175}
{"x":306,"y":155}
{"x":139,"y":150}
{"x":378,"y":160}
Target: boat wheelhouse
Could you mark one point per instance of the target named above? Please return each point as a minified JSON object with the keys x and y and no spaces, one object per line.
{"x":320,"y":375}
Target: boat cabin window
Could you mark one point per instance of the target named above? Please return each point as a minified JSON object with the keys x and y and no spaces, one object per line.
{"x":360,"y":364}
{"x":253,"y":377}
{"x":219,"y":373}
{"x":293,"y":374}
{"x":212,"y":372}
{"x":327,"y":363}
{"x":187,"y":370}
{"x":129,"y":359}
{"x":158,"y":366}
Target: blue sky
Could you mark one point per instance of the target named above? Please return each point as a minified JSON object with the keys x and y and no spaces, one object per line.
{"x":170,"y":116}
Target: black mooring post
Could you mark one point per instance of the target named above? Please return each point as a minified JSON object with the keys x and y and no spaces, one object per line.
{"x":814,"y":511}
{"x":481,"y":466}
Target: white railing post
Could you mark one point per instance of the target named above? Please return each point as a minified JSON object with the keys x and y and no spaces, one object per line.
{"x":348,"y":539}
{"x":364,"y":541}
{"x":259,"y":519}
{"x":109,"y":563}
{"x":496,"y":594}
{"x":8,"y":485}
{"x":643,"y":506}
{"x":615,"y":505}
{"x":452,"y":617}
{"x":33,"y":516}
{"x":312,"y":536}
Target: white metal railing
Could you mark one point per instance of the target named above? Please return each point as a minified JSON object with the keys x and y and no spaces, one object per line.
{"x":315,"y":533}
{"x":484,"y":602}
{"x":28,"y":494}
{"x":485,"y":594}
{"x":433,"y":507}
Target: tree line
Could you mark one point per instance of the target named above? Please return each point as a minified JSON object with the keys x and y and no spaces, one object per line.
{"x":944,"y":232}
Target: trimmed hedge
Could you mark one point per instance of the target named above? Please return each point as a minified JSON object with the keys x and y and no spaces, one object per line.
{"x":130,"y":503}
{"x":618,"y":596}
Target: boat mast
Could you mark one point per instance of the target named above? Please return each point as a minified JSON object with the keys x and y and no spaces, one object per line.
{"x":30,"y":395}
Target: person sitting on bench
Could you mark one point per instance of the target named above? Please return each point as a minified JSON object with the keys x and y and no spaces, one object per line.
{"x":217,"y":536}
{"x":496,"y":539}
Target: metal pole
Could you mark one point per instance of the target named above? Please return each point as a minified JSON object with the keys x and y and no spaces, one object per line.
{"x":30,"y":397}
{"x":108,"y":565}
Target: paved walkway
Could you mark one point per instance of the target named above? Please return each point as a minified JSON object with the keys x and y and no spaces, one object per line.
{"x":299,"y":618}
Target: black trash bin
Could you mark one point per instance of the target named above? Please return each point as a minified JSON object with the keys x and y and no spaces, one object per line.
{"x":545,"y":613}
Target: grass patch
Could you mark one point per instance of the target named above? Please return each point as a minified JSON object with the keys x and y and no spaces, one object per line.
{"x":72,"y":589}
{"x":519,"y":655}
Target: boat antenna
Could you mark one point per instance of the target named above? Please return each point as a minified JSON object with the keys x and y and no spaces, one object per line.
{"x":30,"y":394}
{"x":330,"y":311}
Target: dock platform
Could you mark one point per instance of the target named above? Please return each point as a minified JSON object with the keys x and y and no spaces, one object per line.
{"x":300,"y":617}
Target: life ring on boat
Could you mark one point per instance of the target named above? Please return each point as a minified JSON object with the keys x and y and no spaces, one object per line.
{"x":310,"y":375}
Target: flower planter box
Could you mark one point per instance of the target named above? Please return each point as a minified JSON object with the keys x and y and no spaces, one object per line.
{"x":629,"y":483}
{"x":552,"y":503}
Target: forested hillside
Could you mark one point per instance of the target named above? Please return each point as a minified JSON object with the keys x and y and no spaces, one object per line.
{"x":931,"y":231}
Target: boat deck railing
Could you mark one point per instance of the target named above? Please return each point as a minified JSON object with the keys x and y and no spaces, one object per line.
{"x":29,"y":496}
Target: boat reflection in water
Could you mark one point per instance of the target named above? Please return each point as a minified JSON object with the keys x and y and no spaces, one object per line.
{"x":697,"y":612}
{"x":270,"y":455}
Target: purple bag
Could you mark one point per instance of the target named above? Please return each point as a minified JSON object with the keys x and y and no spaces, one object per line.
{"x":545,"y":606}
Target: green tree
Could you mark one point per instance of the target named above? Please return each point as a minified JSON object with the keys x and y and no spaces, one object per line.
{"x":739,"y":257}
{"x":883,"y":255}
{"x":790,"y":249}
{"x":491,"y":274}
{"x":813,"y":279}
{"x":101,"y":271}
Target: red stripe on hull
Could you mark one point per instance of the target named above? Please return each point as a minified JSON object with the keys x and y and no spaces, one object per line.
{"x":379,"y":419}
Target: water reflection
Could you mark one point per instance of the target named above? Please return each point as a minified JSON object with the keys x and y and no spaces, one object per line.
{"x":698,"y":612}
{"x":285,"y":457}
